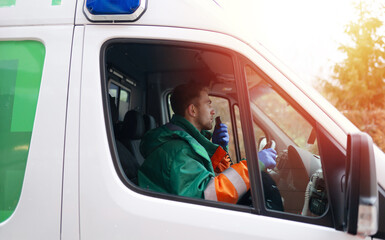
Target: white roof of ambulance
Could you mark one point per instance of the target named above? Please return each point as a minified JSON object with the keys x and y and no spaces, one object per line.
{"x":200,"y":14}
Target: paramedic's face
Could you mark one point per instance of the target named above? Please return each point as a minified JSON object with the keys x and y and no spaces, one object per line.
{"x":205,"y":112}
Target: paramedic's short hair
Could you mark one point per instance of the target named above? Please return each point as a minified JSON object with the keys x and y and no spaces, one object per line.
{"x":183,"y":95}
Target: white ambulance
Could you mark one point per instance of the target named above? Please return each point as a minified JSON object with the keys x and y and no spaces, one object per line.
{"x":82,"y":81}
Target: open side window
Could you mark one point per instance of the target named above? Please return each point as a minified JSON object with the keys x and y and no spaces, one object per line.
{"x":144,"y":74}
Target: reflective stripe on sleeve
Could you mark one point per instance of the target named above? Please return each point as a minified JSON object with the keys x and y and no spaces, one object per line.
{"x":243,"y":171}
{"x":210,"y":193}
{"x":229,"y":186}
{"x":237,"y":181}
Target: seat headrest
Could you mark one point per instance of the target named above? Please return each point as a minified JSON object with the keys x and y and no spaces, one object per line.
{"x":149,"y":122}
{"x":133,"y":125}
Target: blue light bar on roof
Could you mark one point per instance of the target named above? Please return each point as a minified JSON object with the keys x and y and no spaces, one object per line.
{"x":114,"y":10}
{"x":98,"y":7}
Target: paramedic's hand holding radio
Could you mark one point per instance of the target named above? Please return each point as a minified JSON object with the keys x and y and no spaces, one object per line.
{"x":221,"y":137}
{"x":220,"y":134}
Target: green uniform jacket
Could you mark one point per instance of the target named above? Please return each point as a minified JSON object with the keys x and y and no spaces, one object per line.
{"x":176,"y":162}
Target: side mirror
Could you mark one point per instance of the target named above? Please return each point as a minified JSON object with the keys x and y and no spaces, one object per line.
{"x":361,"y":193}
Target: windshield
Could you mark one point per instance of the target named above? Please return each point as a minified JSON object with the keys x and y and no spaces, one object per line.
{"x":280,"y":112}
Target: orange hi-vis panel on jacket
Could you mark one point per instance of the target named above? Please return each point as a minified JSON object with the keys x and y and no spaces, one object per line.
{"x":220,"y":160}
{"x":230,"y":185}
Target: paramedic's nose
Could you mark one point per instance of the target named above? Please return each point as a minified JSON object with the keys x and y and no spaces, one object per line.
{"x":212,"y":112}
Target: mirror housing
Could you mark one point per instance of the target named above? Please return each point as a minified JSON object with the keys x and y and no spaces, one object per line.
{"x":361,"y":193}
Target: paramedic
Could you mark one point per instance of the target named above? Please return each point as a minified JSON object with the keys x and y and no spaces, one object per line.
{"x":180,"y":159}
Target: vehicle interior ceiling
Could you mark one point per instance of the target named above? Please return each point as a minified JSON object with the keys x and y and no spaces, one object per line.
{"x":155,"y":69}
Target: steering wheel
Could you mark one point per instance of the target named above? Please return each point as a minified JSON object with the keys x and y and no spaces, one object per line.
{"x":265,"y":142}
{"x":272,"y":196}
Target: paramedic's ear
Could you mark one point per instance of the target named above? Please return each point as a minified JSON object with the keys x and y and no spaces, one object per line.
{"x":191,"y":110}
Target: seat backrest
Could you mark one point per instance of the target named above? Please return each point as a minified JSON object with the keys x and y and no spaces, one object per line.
{"x":132,"y":132}
{"x":127,"y":160}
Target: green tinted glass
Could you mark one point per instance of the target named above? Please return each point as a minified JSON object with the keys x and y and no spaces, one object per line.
{"x":7,"y":3}
{"x":21,"y":66}
{"x":56,"y":2}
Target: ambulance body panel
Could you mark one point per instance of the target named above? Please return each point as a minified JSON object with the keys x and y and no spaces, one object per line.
{"x":73,"y":186}
{"x":45,"y":12}
{"x":39,"y":207}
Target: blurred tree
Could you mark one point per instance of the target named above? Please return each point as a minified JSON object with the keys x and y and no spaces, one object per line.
{"x":358,"y":81}
{"x":357,"y":87}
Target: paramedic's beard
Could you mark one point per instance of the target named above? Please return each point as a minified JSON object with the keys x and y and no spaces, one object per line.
{"x":209,"y":125}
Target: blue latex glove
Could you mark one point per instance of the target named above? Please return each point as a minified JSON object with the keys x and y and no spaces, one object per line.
{"x":221,"y":136}
{"x":267,"y":157}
